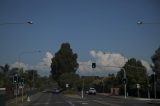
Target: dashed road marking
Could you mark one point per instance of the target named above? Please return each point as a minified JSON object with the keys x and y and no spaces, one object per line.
{"x":70,"y":103}
{"x":105,"y":103}
{"x":84,"y":103}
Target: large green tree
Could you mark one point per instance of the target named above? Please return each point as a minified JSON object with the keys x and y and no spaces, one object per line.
{"x":69,"y":78}
{"x":156,"y":69}
{"x":65,"y":61}
{"x":4,"y":75}
{"x":136,"y":74}
{"x":156,"y":62}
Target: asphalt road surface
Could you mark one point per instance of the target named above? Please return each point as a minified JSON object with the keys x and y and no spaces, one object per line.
{"x":51,"y":99}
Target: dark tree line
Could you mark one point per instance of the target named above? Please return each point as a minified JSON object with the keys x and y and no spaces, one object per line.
{"x":64,"y":66}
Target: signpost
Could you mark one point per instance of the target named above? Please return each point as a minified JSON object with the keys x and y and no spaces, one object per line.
{"x":138,"y":86}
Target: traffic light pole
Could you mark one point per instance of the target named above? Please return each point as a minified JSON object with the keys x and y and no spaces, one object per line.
{"x":16,"y":86}
{"x":124,"y":77}
{"x":22,"y":83}
{"x":125,"y":84}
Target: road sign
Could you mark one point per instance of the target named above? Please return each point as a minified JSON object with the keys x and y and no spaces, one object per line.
{"x":138,"y":85}
{"x":67,"y":85}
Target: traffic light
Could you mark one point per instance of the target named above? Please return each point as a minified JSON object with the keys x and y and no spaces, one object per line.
{"x":124,"y":80}
{"x":22,"y":81}
{"x":93,"y":65}
{"x":15,"y":79}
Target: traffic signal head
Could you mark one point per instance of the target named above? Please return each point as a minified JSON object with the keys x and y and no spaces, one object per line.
{"x":93,"y":65}
{"x":15,"y":79}
{"x":124,"y":80}
{"x":22,"y":81}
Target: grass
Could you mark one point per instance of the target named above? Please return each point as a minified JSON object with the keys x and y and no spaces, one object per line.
{"x":13,"y":101}
{"x":69,"y":92}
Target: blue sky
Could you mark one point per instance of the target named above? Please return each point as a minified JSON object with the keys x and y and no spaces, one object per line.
{"x":99,"y":25}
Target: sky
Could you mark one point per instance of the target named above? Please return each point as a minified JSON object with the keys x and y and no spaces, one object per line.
{"x":103,"y":31}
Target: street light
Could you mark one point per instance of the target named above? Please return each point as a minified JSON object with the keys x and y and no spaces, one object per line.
{"x":141,"y":22}
{"x":12,"y":23}
{"x":155,"y":23}
{"x":30,"y":22}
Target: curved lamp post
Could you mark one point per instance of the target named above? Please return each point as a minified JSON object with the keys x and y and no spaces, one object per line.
{"x":155,"y":86}
{"x":12,"y":23}
{"x":124,"y":76}
{"x":141,"y":22}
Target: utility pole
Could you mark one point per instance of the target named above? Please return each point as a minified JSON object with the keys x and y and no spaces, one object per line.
{"x":155,"y":90}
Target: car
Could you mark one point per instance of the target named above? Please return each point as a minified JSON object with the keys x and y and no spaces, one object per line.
{"x":56,"y":90}
{"x":92,"y":91}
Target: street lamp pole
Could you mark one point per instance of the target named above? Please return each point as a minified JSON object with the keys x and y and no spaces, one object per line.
{"x":154,"y":23}
{"x":124,"y":77}
{"x":141,"y":22}
{"x":13,"y":23}
{"x":155,"y":96}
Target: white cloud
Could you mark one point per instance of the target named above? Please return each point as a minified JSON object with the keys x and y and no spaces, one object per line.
{"x":102,"y":60}
{"x":42,"y":67}
{"x":147,"y":65}
{"x":19,"y":64}
{"x":106,"y":63}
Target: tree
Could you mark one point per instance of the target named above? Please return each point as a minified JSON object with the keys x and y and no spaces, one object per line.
{"x":156,"y":62}
{"x":4,"y":75}
{"x":65,"y":61}
{"x":31,"y":76}
{"x":136,"y":74}
{"x":156,"y":68}
{"x":110,"y":82}
{"x":69,"y":78}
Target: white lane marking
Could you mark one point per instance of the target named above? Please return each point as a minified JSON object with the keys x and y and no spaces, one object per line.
{"x":59,"y":102}
{"x":105,"y":103}
{"x":49,"y":98}
{"x":70,"y":103}
{"x":84,"y":103}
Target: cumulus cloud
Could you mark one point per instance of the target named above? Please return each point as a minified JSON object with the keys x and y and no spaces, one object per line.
{"x":106,"y":63}
{"x":42,"y":67}
{"x":147,"y":65}
{"x":20,"y":64}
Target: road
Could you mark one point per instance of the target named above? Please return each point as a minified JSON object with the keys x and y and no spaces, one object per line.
{"x":51,"y":99}
{"x":113,"y":101}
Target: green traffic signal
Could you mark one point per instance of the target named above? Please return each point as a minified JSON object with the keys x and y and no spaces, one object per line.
{"x":15,"y":79}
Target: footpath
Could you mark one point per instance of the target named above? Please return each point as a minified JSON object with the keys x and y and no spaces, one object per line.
{"x":148,"y":100}
{"x":26,"y":100}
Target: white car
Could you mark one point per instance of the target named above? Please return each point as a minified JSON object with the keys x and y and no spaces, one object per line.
{"x":92,"y":91}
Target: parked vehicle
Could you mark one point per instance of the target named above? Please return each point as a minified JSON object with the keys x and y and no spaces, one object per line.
{"x":92,"y":91}
{"x":56,"y":90}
